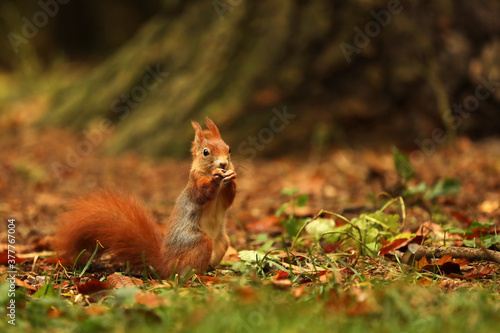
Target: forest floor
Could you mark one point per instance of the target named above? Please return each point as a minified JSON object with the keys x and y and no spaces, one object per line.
{"x":357,"y":266}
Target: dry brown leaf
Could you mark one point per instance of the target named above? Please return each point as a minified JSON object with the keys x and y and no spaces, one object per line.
{"x":151,"y":300}
{"x":281,"y":275}
{"x":400,"y":243}
{"x":116,"y":281}
{"x":428,"y":229}
{"x":489,"y":207}
{"x":5,"y":257}
{"x":25,"y":284}
{"x":482,"y":272}
{"x":92,"y":286}
{"x":231,"y":255}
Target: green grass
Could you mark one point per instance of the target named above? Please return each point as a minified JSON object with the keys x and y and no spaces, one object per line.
{"x":250,"y":304}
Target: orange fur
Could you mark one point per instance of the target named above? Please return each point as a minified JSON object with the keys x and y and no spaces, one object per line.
{"x":228,"y":194}
{"x":204,"y":189}
{"x":118,"y":222}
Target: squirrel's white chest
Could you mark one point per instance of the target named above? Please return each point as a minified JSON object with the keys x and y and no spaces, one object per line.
{"x":213,"y":218}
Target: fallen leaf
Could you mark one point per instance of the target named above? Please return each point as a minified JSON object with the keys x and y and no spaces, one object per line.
{"x":62,"y":285}
{"x":394,"y":245}
{"x":428,"y":229}
{"x":331,"y":247}
{"x":92,"y":286}
{"x":489,"y":207}
{"x":485,"y":270}
{"x":444,"y":266}
{"x":422,"y":263}
{"x":151,"y":300}
{"x":231,"y":255}
{"x":461,"y":261}
{"x":116,"y":281}
{"x":5,"y":257}
{"x":208,"y":279}
{"x":444,"y":259}
{"x":281,"y":275}
{"x":310,"y":277}
{"x":24,"y":284}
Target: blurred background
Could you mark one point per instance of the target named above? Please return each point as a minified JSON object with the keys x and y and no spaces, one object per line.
{"x":278,"y":77}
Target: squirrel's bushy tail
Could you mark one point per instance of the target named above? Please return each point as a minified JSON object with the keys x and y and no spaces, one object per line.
{"x":121,"y":224}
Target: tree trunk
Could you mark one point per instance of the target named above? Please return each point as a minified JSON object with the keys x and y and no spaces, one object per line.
{"x":347,"y":71}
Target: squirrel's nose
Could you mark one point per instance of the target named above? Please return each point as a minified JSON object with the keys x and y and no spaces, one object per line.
{"x":222,"y":165}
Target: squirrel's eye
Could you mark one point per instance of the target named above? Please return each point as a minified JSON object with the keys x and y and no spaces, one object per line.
{"x":229,"y":150}
{"x":205,"y":152}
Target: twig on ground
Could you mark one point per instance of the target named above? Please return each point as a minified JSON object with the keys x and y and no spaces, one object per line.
{"x":468,"y":253}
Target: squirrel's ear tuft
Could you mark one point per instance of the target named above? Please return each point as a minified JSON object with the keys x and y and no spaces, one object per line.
{"x":198,"y":136}
{"x":213,"y":129}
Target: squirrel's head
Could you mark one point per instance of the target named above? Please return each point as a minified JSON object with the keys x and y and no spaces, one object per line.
{"x":209,"y":150}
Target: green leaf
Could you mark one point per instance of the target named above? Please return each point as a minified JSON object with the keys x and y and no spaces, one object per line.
{"x":487,"y":240}
{"x":302,"y":200}
{"x":381,"y":221}
{"x":477,"y":224}
{"x":490,"y":240}
{"x":470,"y":243}
{"x":402,"y":236}
{"x":392,"y":220}
{"x":371,"y":235}
{"x":242,"y":267}
{"x":281,"y":210}
{"x":447,"y":186}
{"x":262,"y":237}
{"x":418,"y":189}
{"x":47,"y":290}
{"x":455,"y":230}
{"x":251,"y":256}
{"x":337,"y":234}
{"x":289,"y":192}
{"x":373,"y":248}
{"x":320,"y":226}
{"x":292,"y":225}
{"x":402,"y":164}
{"x":267,"y":245}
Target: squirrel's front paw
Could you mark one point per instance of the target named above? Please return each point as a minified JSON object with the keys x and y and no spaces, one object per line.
{"x":218,"y":174}
{"x":229,"y":175}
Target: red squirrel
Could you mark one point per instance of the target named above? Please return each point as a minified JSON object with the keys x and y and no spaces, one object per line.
{"x":195,"y":234}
